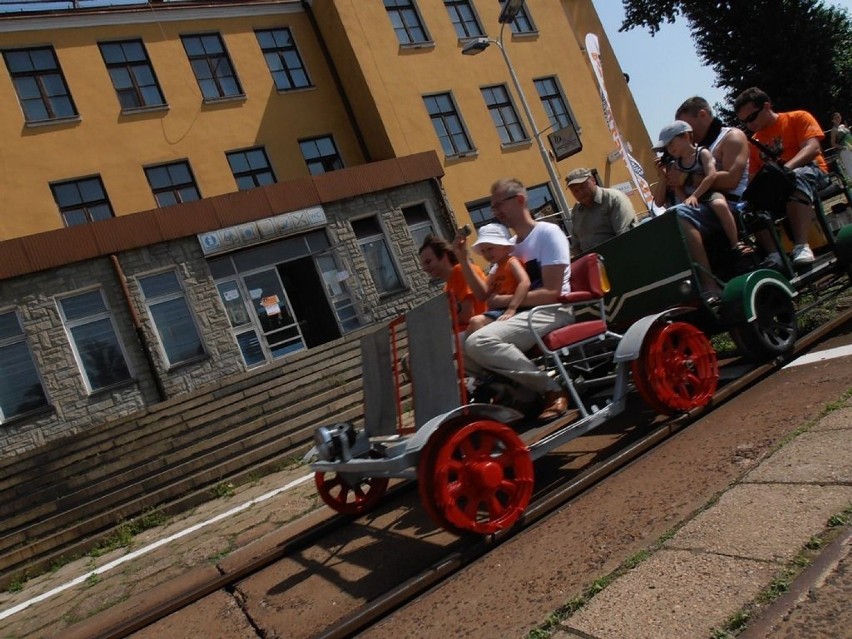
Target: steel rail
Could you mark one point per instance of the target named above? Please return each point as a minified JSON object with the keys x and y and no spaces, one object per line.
{"x":547,"y":503}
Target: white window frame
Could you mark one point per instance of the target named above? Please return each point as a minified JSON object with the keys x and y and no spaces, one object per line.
{"x":151,"y":302}
{"x":11,"y":341}
{"x":96,"y":317}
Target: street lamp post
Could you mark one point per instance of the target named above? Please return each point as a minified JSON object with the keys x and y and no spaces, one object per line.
{"x":478,"y":45}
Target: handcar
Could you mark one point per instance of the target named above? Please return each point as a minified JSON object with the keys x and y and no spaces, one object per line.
{"x":473,"y":457}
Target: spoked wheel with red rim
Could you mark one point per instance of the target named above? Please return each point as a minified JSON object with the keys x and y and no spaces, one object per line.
{"x":677,"y":369}
{"x":476,"y":477}
{"x":349,"y":495}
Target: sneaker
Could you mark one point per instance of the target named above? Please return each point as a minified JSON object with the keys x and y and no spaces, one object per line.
{"x":773,"y":261}
{"x":802,"y":254}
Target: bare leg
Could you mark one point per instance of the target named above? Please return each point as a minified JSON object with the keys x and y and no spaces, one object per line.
{"x":726,"y":219}
{"x":695,"y":246}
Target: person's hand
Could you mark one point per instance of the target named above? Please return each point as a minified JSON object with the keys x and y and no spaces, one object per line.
{"x":691,"y":201}
{"x":460,"y":246}
{"x":508,"y":313}
{"x":662,"y":169}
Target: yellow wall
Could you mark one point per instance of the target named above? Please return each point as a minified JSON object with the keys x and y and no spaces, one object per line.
{"x":117,"y":146}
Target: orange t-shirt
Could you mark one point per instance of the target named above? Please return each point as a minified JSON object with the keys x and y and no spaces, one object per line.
{"x":785,"y":137}
{"x":458,"y":288}
{"x":501,"y":278}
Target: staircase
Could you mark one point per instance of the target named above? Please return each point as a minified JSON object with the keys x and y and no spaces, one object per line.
{"x":61,"y":500}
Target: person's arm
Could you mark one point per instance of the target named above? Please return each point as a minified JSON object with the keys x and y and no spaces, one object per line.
{"x":733,"y":160}
{"x":477,"y":284}
{"x":661,"y":188}
{"x":708,"y":166}
{"x":521,"y":290}
{"x":810,"y":133}
{"x":621,"y":216}
{"x":808,"y":151}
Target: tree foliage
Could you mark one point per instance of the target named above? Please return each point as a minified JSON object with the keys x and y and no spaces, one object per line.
{"x":798,"y":51}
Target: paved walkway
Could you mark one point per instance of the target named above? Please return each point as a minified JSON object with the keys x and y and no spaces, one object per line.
{"x":715,"y":569}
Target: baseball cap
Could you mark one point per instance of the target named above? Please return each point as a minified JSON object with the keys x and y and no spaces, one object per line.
{"x":496,"y":234}
{"x":578,"y":175}
{"x":670,"y":132}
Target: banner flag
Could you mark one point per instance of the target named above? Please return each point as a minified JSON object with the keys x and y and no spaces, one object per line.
{"x":637,"y":174}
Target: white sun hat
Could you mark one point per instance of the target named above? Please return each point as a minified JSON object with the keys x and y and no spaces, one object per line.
{"x":496,"y":234}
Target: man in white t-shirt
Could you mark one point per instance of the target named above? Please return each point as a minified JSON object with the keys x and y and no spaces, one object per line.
{"x":501,"y":346}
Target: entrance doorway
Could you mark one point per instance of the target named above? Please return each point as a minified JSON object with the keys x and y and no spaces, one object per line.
{"x":306,"y":291}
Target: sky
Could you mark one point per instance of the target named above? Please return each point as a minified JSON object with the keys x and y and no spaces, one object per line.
{"x":660,"y":81}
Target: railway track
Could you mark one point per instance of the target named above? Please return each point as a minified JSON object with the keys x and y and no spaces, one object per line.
{"x":463,"y":552}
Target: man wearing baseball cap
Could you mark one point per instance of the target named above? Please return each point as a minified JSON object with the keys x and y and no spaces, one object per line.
{"x":600,"y":213}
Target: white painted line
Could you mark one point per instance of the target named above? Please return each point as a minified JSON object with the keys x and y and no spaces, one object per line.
{"x":819,"y":356}
{"x":161,"y":542}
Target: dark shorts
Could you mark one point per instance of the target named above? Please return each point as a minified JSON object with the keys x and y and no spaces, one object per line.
{"x":810,"y":180}
{"x":701,"y":217}
{"x":493,"y":314}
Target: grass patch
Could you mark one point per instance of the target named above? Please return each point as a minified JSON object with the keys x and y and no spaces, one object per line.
{"x":224,"y":490}
{"x":93,"y":580}
{"x":126,"y":532}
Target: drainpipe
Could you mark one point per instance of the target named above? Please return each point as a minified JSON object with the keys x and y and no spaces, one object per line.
{"x":137,"y":325}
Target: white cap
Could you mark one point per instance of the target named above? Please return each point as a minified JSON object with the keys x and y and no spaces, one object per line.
{"x":496,"y":234}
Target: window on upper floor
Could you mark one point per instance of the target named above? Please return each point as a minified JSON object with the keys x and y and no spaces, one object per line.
{"x":41,"y":87}
{"x":540,"y":201}
{"x":170,"y":312}
{"x":406,"y":21}
{"x":522,"y":22}
{"x":283,"y":59}
{"x":555,"y":105}
{"x":321,"y":155}
{"x":419,"y":223}
{"x":82,"y":201}
{"x":374,"y":247}
{"x":448,"y":124}
{"x":250,"y":168}
{"x":94,"y":340}
{"x":212,"y":66}
{"x":172,"y":183}
{"x":503,"y":114}
{"x":21,"y":388}
{"x":480,"y":212}
{"x":132,"y":74}
{"x":463,"y":18}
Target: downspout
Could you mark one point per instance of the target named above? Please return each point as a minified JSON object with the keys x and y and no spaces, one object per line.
{"x":306,"y":5}
{"x":137,"y":325}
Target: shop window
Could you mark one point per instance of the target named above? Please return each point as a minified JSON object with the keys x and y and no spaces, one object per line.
{"x":172,"y":183}
{"x":251,"y":168}
{"x":132,"y":74}
{"x":283,"y":59}
{"x":93,"y":337}
{"x":82,"y":201}
{"x":374,"y":247}
{"x":419,"y":223}
{"x":173,"y":320}
{"x":503,"y":114}
{"x":40,"y":85}
{"x":21,"y":389}
{"x":321,"y":155}
{"x":448,"y":124}
{"x":463,"y":18}
{"x":212,"y":66}
{"x":406,"y":22}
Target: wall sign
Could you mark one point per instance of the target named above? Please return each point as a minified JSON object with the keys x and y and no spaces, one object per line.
{"x":244,"y":235}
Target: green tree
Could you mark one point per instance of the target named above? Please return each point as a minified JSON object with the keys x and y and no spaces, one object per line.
{"x":798,"y":51}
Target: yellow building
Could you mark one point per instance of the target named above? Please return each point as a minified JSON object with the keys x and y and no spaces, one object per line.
{"x":111,"y":111}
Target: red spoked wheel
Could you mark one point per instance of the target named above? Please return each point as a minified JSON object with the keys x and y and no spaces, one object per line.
{"x":350,"y":496}
{"x":475,"y":477}
{"x":677,"y":369}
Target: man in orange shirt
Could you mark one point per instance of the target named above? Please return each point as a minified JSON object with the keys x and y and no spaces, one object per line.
{"x":438,"y":261}
{"x":795,"y":137}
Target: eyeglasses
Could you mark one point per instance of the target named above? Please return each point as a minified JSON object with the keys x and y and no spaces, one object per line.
{"x":752,"y":116}
{"x":501,"y":200}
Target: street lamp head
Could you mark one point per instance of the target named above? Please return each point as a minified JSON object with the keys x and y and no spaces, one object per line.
{"x":477,"y":45}
{"x":510,"y":10}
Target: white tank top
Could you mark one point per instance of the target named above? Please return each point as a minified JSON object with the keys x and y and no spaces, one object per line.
{"x":744,"y":179}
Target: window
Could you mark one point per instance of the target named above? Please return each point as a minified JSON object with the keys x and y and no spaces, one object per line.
{"x":480,"y":212}
{"x":503,"y":114}
{"x":283,"y":59}
{"x":463,"y":18}
{"x":40,"y":84}
{"x":93,"y":338}
{"x":321,"y":155}
{"x":448,"y":124}
{"x":21,"y":390}
{"x":406,"y":21}
{"x":172,"y":183}
{"x":544,"y":206}
{"x":522,"y":22}
{"x":212,"y":66}
{"x":82,"y":201}
{"x":166,"y":302}
{"x":555,"y":105}
{"x":419,"y":223}
{"x":376,"y":254}
{"x":251,"y":168}
{"x":132,"y":74}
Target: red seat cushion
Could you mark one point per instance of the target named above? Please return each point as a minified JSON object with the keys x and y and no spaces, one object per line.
{"x":573,"y":333}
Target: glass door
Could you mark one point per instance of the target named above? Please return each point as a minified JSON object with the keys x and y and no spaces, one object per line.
{"x":272,"y":312}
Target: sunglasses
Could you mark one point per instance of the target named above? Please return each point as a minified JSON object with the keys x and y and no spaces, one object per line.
{"x":753,"y":116}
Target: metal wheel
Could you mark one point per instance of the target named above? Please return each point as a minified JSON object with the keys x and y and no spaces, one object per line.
{"x":677,"y":368}
{"x":773,"y":330}
{"x":476,"y":477}
{"x":350,"y":496}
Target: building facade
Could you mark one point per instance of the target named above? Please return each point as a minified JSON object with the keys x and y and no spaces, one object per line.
{"x":196,"y":188}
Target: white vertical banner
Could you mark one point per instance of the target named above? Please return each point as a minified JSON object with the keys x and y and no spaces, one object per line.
{"x":637,"y":174}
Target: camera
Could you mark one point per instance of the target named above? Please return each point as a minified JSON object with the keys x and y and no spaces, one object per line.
{"x":666,"y":158}
{"x":466,"y":230}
